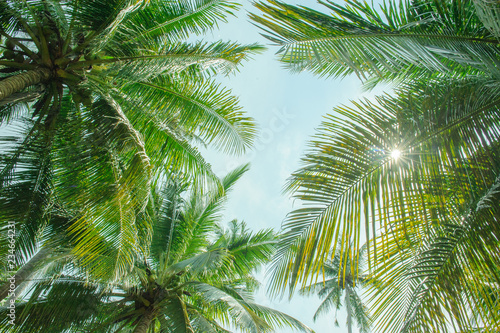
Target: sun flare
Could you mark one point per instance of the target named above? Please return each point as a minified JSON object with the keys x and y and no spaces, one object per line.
{"x":395,"y":154}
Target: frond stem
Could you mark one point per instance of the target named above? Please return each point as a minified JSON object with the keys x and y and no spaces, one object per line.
{"x":427,"y":36}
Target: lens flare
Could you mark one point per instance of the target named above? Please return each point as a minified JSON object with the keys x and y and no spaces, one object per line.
{"x":395,"y":154}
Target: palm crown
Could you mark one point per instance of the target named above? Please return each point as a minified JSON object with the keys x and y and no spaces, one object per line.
{"x":335,"y":283}
{"x":116,"y":99}
{"x":194,"y":276}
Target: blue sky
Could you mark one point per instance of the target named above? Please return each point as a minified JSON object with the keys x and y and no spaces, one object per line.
{"x":288,"y":107}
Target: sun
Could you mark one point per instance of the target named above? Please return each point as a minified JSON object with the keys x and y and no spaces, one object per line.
{"x":395,"y":154}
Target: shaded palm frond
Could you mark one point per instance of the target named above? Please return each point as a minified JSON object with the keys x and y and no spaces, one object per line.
{"x":190,"y":104}
{"x":406,"y":40}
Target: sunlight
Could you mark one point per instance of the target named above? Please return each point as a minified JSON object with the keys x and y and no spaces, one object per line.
{"x":395,"y":154}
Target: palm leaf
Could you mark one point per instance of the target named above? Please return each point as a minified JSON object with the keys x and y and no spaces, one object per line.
{"x":350,"y":184}
{"x":414,"y":39}
{"x":191,"y":103}
{"x":489,"y":13}
{"x":452,"y":249}
{"x":177,"y":316}
{"x":244,"y":316}
{"x":201,"y":215}
{"x":61,"y":300}
{"x":171,"y":22}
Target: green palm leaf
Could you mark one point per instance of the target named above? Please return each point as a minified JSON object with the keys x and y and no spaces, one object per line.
{"x":489,"y":12}
{"x":60,"y":301}
{"x":191,"y":103}
{"x":170,"y":22}
{"x":350,"y":177}
{"x":246,"y":318}
{"x":412,"y":40}
{"x":455,"y":248}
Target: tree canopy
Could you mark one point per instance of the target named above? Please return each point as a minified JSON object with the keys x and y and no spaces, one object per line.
{"x":103,"y":98}
{"x":192,"y":275}
{"x":117,"y":214}
{"x":414,"y":173}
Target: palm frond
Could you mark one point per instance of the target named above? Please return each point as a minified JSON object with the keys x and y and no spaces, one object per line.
{"x":208,"y":261}
{"x":249,"y":251}
{"x":202,"y":213}
{"x":330,"y":302}
{"x":454,"y":248}
{"x":409,"y":39}
{"x":59,"y":301}
{"x":243,"y":316}
{"x":116,"y":166}
{"x":26,"y":191}
{"x":489,"y":13}
{"x":171,"y":22}
{"x":200,"y":59}
{"x":350,"y":183}
{"x":177,"y":317}
{"x":202,"y":108}
{"x":277,"y":318}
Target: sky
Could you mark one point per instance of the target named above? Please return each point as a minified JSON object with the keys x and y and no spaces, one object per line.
{"x":288,"y":108}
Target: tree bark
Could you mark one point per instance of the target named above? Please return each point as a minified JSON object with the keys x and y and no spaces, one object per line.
{"x":23,"y":80}
{"x":145,"y":322}
{"x":25,"y":271}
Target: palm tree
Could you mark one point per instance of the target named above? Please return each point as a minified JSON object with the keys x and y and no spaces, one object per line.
{"x":101,"y":98}
{"x":193,"y":276}
{"x":334,"y":285}
{"x":414,"y":173}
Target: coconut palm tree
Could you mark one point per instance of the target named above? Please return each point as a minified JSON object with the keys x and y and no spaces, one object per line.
{"x":194,"y":276}
{"x":334,"y":285}
{"x":100,"y":98}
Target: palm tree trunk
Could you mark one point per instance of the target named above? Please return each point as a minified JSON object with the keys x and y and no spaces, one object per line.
{"x":349,"y":308}
{"x":145,"y":322}
{"x":25,"y":271}
{"x":23,"y":80}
